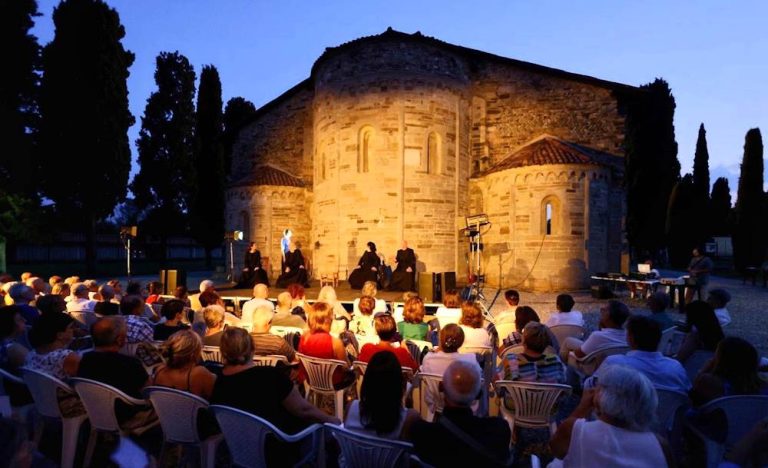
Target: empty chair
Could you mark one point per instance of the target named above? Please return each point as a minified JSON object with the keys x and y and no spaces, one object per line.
{"x":588,"y":364}
{"x":213,"y":354}
{"x":361,"y":451}
{"x":741,"y":414}
{"x":178,"y":413}
{"x":533,"y":403}
{"x":246,"y":433}
{"x":270,"y":360}
{"x":319,"y":380}
{"x":45,"y":391}
{"x":696,"y":362}
{"x":562,"y":332}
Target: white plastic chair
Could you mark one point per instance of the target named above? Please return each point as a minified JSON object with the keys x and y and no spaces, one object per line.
{"x":666,"y":340}
{"x":44,"y":388}
{"x":670,"y":402}
{"x":270,"y":360}
{"x":178,"y":413}
{"x":588,"y":364}
{"x":696,"y":362}
{"x":363,"y":451}
{"x":282,"y":331}
{"x":741,"y":414}
{"x":246,"y":433}
{"x":416,"y":347}
{"x":23,"y":412}
{"x":319,"y":380}
{"x":486,"y":357}
{"x":430,"y":399}
{"x":360,"y":367}
{"x":213,"y":354}
{"x":562,"y":332}
{"x":534,"y":403}
{"x":99,"y":400}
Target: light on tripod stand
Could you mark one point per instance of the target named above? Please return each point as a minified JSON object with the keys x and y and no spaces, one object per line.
{"x":231,"y":237}
{"x":126,"y":234}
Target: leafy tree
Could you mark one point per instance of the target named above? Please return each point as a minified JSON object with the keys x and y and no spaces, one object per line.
{"x":164,"y":185}
{"x":681,"y":222}
{"x":237,"y":114}
{"x":652,"y":168}
{"x":749,"y":232}
{"x":84,"y":149}
{"x":208,"y":210}
{"x":701,"y":166}
{"x":720,"y":210}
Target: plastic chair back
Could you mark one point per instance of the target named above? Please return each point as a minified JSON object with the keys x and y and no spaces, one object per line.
{"x":282,"y":331}
{"x":534,"y":402}
{"x":362,"y":451}
{"x":589,"y":363}
{"x":416,"y":348}
{"x":742,"y":413}
{"x":43,"y":388}
{"x":212,"y":353}
{"x":666,"y":340}
{"x":270,"y":360}
{"x":696,"y":362}
{"x":177,"y":412}
{"x":320,"y":372}
{"x":562,"y":332}
{"x":99,"y":401}
{"x":431,"y":399}
{"x":670,"y":402}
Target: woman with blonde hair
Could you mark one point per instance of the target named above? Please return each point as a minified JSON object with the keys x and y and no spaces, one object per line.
{"x":413,"y":327}
{"x":182,"y":352}
{"x":369,"y":289}
{"x":471,"y":323}
{"x":318,"y":342}
{"x":328,"y":295}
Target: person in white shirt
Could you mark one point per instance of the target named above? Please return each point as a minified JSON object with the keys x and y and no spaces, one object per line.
{"x":80,"y":301}
{"x":565,"y":315}
{"x":260,"y":295}
{"x":451,"y":339}
{"x":643,"y":336}
{"x":450,"y":311}
{"x":194,"y":299}
{"x":471,"y":324}
{"x":369,"y":289}
{"x":508,"y":315}
{"x":611,"y":333}
{"x":718,"y":299}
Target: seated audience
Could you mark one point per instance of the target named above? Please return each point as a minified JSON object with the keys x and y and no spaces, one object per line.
{"x":471,"y":322}
{"x":379,"y":412}
{"x":284,"y":317}
{"x":38,"y":285}
{"x":369,"y":289}
{"x":116,"y":286}
{"x":362,"y":321}
{"x":182,"y":293}
{"x":387,"y":332}
{"x":54,"y":280}
{"x":80,"y":301}
{"x":264,"y":342}
{"x":50,"y":337}
{"x":451,"y":339}
{"x":318,"y":342}
{"x":12,"y":329}
{"x":398,"y":312}
{"x":155,"y":290}
{"x":194,"y":299}
{"x":508,"y":315}
{"x":71,"y":280}
{"x":460,"y":438}
{"x":565,"y":315}
{"x":299,"y":305}
{"x":450,"y":311}
{"x":173,"y":312}
{"x":657,"y":303}
{"x":134,"y":289}
{"x":214,"y":325}
{"x":62,"y":289}
{"x":624,"y":404}
{"x":719,"y":299}
{"x":611,"y":332}
{"x":107,"y":306}
{"x":643,"y":336}
{"x":704,"y":333}
{"x":328,"y":295}
{"x":183,"y":352}
{"x":260,"y":295}
{"x":22,"y":295}
{"x":138,"y":330}
{"x":524,"y":315}
{"x":211,"y":297}
{"x":534,"y":364}
{"x":413,"y":327}
{"x":93,"y":289}
{"x":51,"y":304}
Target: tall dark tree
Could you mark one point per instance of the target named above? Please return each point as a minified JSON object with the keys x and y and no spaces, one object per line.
{"x":720,"y":208}
{"x":164,"y":186}
{"x":19,"y":83}
{"x":208,"y":209}
{"x":681,"y":222}
{"x":84,"y":148}
{"x":652,"y":167}
{"x":749,"y":231}
{"x":237,"y":114}
{"x":701,"y":166}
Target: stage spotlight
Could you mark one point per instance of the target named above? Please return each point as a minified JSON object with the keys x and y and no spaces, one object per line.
{"x":233,"y":235}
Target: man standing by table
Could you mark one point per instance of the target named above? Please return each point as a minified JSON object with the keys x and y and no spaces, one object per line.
{"x":699,"y":270}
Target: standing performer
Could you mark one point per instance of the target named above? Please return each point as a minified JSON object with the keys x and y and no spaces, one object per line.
{"x":367,"y":268}
{"x":285,"y":243}
{"x":253,"y":273}
{"x":403,"y":278}
{"x":294,"y":270}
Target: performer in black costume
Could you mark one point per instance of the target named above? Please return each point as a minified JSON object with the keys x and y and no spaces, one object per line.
{"x":367,"y":268}
{"x":253,"y":273}
{"x":403,"y":278}
{"x":294,"y":270}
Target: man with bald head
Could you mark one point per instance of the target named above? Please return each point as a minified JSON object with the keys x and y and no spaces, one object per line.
{"x":265,"y":343}
{"x":459,"y":438}
{"x":404,"y":276}
{"x":260,"y":295}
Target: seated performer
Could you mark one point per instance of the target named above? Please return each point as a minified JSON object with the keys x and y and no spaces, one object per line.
{"x":367,"y":268}
{"x":405,"y":272}
{"x":253,"y":273}
{"x":294,"y":270}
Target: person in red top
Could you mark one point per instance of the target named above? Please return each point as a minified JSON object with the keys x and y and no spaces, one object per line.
{"x":155,"y":290}
{"x":318,"y":342}
{"x":387,"y":331}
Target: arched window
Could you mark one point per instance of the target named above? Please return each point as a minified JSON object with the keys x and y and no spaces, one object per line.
{"x":550,"y":216}
{"x":431,"y":161}
{"x":322,"y":167}
{"x":245,"y":224}
{"x":364,"y":148}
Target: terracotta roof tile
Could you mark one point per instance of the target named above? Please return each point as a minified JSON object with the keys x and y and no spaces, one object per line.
{"x":267,"y":175}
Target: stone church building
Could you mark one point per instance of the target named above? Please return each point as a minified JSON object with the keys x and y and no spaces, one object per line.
{"x":402,"y":136}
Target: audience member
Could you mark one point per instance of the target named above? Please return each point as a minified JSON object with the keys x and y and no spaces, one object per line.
{"x":362,"y":321}
{"x":182,"y":293}
{"x":387,"y":332}
{"x":643,"y":336}
{"x":369,"y":289}
{"x":107,"y":305}
{"x":264,"y":342}
{"x":460,"y":438}
{"x":471,"y":322}
{"x":398,"y":312}
{"x":194,"y":299}
{"x":318,"y":342}
{"x":413,"y":327}
{"x":512,"y":298}
{"x":451,"y":339}
{"x":535,"y":364}
{"x":50,"y":337}
{"x":611,"y":332}
{"x":62,"y":289}
{"x":117,"y":286}
{"x":328,"y":295}
{"x":138,"y":330}
{"x":72,"y":280}
{"x":565,"y":315}
{"x":12,"y":328}
{"x":54,"y":280}
{"x":38,"y":285}
{"x":260,"y":295}
{"x":155,"y":290}
{"x":719,"y":299}
{"x":379,"y":412}
{"x":51,"y":304}
{"x":183,"y":352}
{"x":25,"y":276}
{"x":450,"y":311}
{"x":213,"y":315}
{"x":93,"y":289}
{"x":172,"y":311}
{"x":80,"y":301}
{"x":657,"y":303}
{"x":22,"y":295}
{"x":524,"y":315}
{"x":704,"y":333}
{"x":284,"y":316}
{"x":299,"y":305}
{"x":625,"y":405}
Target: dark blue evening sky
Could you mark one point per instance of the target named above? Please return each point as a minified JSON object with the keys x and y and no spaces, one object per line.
{"x":713,"y":53}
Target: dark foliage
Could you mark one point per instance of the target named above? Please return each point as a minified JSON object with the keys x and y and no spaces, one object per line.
{"x":749,"y":231}
{"x":701,"y":166}
{"x":237,"y":114}
{"x":720,"y":208}
{"x":682,"y":222}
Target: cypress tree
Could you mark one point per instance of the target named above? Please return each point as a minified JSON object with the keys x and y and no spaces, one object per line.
{"x":701,"y":166}
{"x":749,"y":233}
{"x":681,"y":222}
{"x":237,"y":114}
{"x":85,"y":154}
{"x":208,"y":212}
{"x":164,"y":186}
{"x":720,"y":210}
